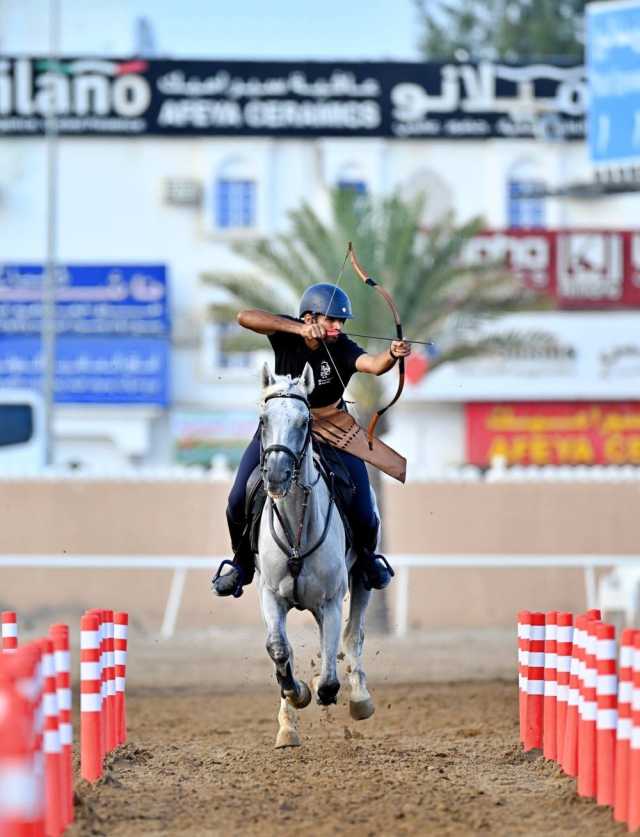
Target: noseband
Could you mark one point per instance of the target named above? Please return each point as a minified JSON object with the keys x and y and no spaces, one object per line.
{"x":296,"y":458}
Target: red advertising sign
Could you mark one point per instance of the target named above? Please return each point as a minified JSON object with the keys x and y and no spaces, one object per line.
{"x":580,"y":268}
{"x":560,"y":433}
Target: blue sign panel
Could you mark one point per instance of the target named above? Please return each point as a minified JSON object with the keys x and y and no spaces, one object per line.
{"x":613,"y":73}
{"x":91,"y":300}
{"x":133,"y":370}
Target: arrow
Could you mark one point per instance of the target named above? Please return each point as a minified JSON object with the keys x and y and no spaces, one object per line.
{"x":391,"y":339}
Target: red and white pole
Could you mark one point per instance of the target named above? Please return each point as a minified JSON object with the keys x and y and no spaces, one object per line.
{"x":19,"y":802}
{"x":564,"y":646}
{"x":549,"y":743}
{"x":54,"y":817}
{"x":623,"y":731}
{"x":121,"y":630}
{"x":9,"y":631}
{"x":588,"y":716}
{"x":60,"y":636}
{"x":112,"y":738}
{"x":633,"y":819}
{"x":607,"y":716}
{"x":570,"y":746}
{"x":90,"y":700}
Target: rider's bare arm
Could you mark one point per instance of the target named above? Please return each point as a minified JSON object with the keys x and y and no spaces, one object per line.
{"x":384,"y":361}
{"x":263,"y":322}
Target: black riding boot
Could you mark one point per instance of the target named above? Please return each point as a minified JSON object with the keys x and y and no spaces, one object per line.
{"x":375,"y":570}
{"x":242,"y":567}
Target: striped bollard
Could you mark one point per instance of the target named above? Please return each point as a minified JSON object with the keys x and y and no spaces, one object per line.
{"x":60,"y":636}
{"x":9,"y":631}
{"x":535,"y":683}
{"x":99,"y":614}
{"x":112,"y":736}
{"x":549,"y":746}
{"x":623,"y":731}
{"x":524,"y":629}
{"x":607,"y":717}
{"x":564,"y":645}
{"x":90,"y":702}
{"x":121,"y":628}
{"x":54,"y":816}
{"x":19,"y":799}
{"x":633,"y":819}
{"x":26,"y":666}
{"x":588,"y":716}
{"x":570,"y":746}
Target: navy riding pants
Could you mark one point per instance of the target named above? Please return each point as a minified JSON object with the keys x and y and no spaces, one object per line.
{"x":361,"y":511}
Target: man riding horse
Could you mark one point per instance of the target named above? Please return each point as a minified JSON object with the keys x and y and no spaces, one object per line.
{"x":317,"y":338}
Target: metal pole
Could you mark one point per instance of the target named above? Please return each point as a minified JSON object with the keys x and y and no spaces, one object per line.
{"x":49,"y":278}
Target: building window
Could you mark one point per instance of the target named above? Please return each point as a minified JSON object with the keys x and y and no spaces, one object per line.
{"x":230,"y":359}
{"x":234,"y":195}
{"x":525,"y":203}
{"x":235,"y":203}
{"x":358,"y":187}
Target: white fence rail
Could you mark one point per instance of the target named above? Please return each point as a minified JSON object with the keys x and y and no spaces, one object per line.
{"x":180,"y":564}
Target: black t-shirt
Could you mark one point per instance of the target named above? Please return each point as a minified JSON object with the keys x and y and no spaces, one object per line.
{"x":291,"y":353}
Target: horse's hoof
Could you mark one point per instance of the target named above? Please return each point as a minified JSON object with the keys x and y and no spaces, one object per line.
{"x":287,"y":738}
{"x":360,"y":710}
{"x":301,"y":700}
{"x":327,"y":693}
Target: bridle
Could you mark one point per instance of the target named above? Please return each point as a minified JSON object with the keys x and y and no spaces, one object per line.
{"x":296,"y":458}
{"x":292,"y":548}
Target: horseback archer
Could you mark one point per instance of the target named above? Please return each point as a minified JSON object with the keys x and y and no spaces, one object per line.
{"x":317,"y":338}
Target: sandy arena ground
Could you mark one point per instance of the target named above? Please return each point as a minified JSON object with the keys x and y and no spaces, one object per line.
{"x":440,"y":756}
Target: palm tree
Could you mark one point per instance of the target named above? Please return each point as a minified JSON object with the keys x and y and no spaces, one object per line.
{"x":437,"y":294}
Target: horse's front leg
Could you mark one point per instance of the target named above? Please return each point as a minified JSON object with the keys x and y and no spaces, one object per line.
{"x":295,"y":694}
{"x":326,"y":684}
{"x":360,"y":703}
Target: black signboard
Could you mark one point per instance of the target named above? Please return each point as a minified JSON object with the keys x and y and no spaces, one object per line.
{"x":111,"y":97}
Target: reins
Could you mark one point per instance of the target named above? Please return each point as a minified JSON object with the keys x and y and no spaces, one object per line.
{"x":292,"y":547}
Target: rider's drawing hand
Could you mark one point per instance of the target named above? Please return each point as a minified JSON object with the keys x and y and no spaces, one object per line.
{"x":313,"y":331}
{"x":400,"y":348}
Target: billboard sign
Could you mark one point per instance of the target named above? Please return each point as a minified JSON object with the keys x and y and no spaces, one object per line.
{"x":91,"y":300}
{"x":451,"y":100}
{"x":92,"y":370}
{"x":554,"y":433}
{"x":580,"y":269}
{"x":202,"y":435}
{"x":562,"y":355}
{"x":613,"y":75}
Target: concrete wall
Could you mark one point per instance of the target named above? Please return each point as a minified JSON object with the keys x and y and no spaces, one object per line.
{"x":175,"y":518}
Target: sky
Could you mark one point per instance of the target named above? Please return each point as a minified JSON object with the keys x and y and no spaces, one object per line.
{"x":271,"y":29}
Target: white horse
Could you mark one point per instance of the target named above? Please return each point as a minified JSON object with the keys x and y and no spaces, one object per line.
{"x":301,"y":557}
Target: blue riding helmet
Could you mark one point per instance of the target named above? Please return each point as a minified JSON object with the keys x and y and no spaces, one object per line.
{"x":328,"y":300}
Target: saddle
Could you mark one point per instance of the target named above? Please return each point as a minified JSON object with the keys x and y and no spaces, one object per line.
{"x":328,"y":462}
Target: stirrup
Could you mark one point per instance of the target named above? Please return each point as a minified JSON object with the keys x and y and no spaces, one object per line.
{"x":376,"y":582}
{"x":237,"y":591}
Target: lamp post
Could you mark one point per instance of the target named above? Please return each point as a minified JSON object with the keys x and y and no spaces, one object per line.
{"x":49,"y":277}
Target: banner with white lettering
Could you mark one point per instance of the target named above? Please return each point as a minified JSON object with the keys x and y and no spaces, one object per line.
{"x":110,"y":97}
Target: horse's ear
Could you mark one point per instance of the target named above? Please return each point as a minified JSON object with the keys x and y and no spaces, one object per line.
{"x":306,"y":379}
{"x":267,"y":377}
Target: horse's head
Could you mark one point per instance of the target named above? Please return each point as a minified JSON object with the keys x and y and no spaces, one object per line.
{"x":285,"y":420}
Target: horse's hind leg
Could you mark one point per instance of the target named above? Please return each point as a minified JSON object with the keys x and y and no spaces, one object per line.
{"x":360,"y":703}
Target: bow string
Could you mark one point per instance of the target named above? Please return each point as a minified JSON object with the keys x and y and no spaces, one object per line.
{"x":384,"y":293}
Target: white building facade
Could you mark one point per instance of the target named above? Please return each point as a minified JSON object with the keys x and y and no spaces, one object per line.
{"x":167,"y":163}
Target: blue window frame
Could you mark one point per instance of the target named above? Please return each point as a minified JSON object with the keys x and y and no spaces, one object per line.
{"x":235,"y":203}
{"x":359,"y":187}
{"x":525,"y":205}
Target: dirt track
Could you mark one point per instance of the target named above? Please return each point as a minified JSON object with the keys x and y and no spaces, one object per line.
{"x":437,"y":757}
